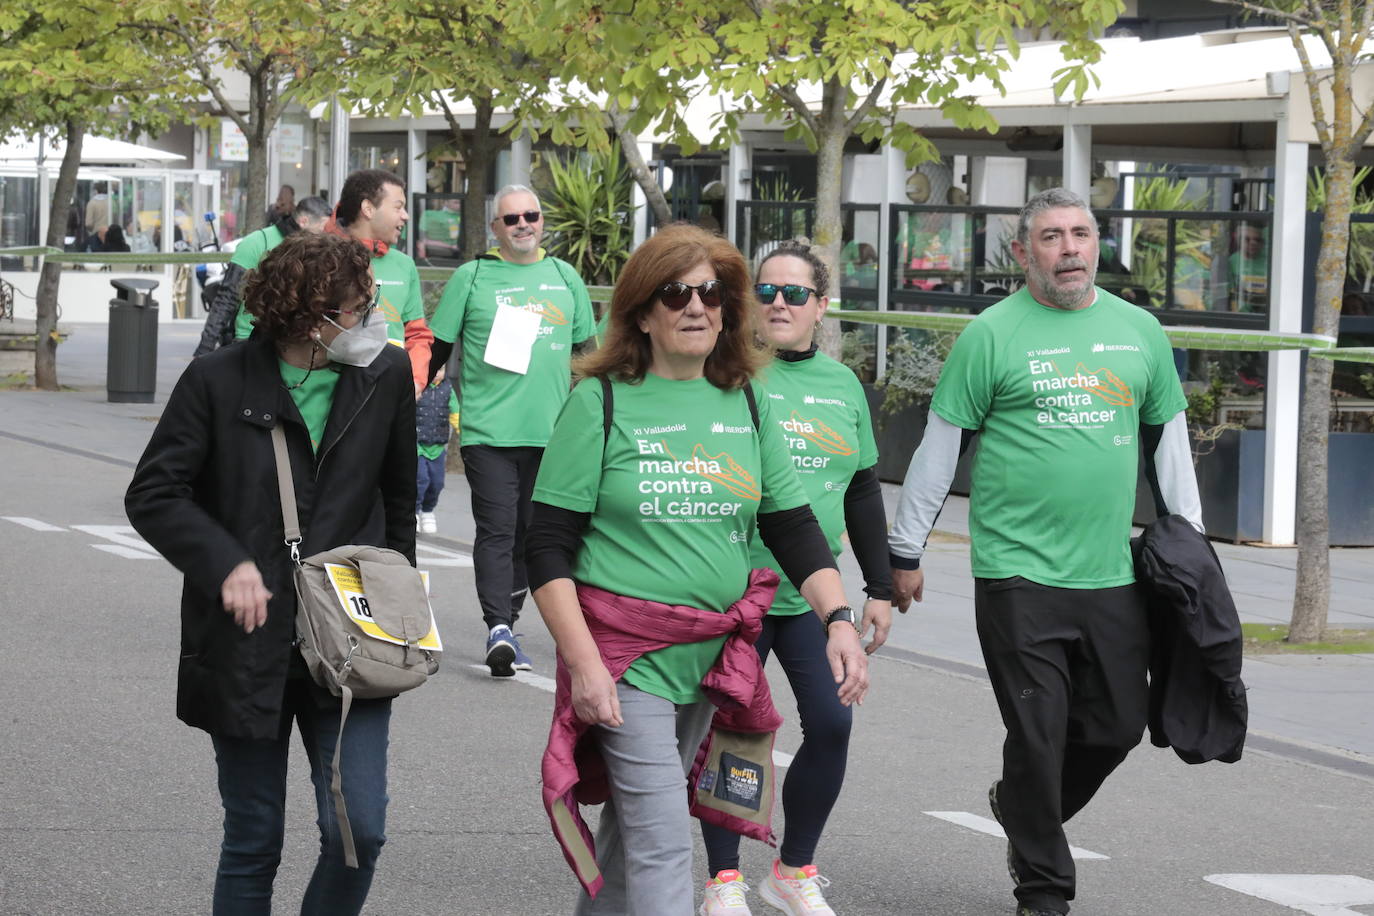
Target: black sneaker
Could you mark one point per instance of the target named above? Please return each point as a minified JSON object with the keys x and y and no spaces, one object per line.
{"x":1031,"y":911}
{"x":1011,"y":851}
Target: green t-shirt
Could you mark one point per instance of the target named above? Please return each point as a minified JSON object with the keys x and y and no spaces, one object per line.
{"x":1059,"y":397}
{"x":442,"y":227}
{"x":1249,"y":282}
{"x":314,"y":398}
{"x":399,"y":284}
{"x":501,"y":407}
{"x":822,"y":413}
{"x":673,"y":499}
{"x":247,"y":255}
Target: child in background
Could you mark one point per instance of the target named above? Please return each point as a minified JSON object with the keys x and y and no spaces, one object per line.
{"x":436,"y":415}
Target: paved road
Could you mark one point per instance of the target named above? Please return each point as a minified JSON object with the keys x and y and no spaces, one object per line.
{"x":107,"y":803}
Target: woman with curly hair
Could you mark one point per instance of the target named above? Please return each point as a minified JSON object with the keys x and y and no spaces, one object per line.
{"x":661,"y":465}
{"x":205,"y":496}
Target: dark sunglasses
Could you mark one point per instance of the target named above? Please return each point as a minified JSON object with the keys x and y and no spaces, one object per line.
{"x":513,"y":219}
{"x":792,"y":294}
{"x":676,"y":294}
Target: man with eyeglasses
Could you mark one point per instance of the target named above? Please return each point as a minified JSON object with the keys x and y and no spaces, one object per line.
{"x":519,"y":313}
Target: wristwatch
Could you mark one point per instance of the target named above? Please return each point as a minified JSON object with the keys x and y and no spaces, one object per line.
{"x":843,"y":613}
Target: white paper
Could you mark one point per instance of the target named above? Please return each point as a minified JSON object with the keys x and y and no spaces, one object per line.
{"x":513,"y":332}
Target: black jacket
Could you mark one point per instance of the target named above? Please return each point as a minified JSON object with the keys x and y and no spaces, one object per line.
{"x":1197,"y":699}
{"x":205,"y":497}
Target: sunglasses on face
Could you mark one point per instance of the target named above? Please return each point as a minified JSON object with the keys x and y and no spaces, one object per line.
{"x":513,"y":219}
{"x":676,"y":295}
{"x":792,"y":294}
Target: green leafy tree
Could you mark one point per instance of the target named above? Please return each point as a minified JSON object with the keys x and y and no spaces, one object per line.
{"x":1343,"y":124}
{"x":415,"y":56}
{"x":284,"y":49}
{"x":67,"y":70}
{"x":827,"y":69}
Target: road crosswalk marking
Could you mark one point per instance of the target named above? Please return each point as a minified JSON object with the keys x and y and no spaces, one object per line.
{"x":33,"y":523}
{"x":1317,"y":895}
{"x":992,"y":828}
{"x":429,"y":555}
{"x":780,"y":758}
{"x":127,"y":553}
{"x":122,"y":535}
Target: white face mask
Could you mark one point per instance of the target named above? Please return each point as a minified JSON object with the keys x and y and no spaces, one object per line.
{"x":358,"y":345}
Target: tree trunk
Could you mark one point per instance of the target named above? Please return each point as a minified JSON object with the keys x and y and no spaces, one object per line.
{"x":829,"y":227}
{"x":256,"y":204}
{"x":45,"y":349}
{"x":477,"y":161}
{"x":629,"y":145}
{"x":1312,"y":595}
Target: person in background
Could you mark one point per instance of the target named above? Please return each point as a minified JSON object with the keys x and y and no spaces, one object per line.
{"x":205,"y":496}
{"x":517,"y":313}
{"x":659,"y":467}
{"x":436,"y":418}
{"x":227,"y":320}
{"x":822,"y":415}
{"x":372,"y":210}
{"x":1249,"y":272}
{"x":1066,"y":386}
{"x":284,"y":205}
{"x":114,"y":239}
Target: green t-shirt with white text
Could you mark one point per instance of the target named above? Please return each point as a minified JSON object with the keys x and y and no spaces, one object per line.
{"x":673,"y":501}
{"x":822,"y":413}
{"x":501,"y":407}
{"x":1058,"y":397}
{"x":398,"y":282}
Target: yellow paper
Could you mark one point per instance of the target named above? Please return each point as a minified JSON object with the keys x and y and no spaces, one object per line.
{"x":348,"y":587}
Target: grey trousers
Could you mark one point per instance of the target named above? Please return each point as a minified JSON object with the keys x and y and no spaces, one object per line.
{"x":644,"y":842}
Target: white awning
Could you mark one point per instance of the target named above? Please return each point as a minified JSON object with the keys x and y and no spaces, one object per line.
{"x":94,"y":150}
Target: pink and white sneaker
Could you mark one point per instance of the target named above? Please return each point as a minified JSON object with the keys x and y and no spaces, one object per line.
{"x":725,"y":895}
{"x":796,"y":891}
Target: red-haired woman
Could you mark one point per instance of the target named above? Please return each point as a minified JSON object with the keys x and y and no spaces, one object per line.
{"x":660,"y":466}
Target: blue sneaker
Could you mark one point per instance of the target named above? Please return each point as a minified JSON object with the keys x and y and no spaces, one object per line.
{"x":522,"y":661}
{"x":502,"y":650}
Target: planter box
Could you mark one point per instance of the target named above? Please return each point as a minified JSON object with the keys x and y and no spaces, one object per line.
{"x":899,"y":434}
{"x":1231,"y":483}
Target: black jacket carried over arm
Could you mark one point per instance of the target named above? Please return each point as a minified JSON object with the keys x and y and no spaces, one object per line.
{"x":205,"y":497}
{"x":1197,"y":699}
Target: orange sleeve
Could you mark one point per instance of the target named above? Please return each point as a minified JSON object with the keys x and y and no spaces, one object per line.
{"x":418,"y":340}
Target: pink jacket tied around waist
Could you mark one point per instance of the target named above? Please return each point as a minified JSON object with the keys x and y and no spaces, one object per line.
{"x":745,"y":721}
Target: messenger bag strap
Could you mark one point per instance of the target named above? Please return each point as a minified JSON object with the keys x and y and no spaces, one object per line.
{"x":291,"y":523}
{"x":350,"y":851}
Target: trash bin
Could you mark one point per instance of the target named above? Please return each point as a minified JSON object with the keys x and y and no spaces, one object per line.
{"x":131,"y":363}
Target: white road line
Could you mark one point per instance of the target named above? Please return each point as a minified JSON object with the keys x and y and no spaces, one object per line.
{"x":128,"y":553}
{"x":118,"y":534}
{"x":430,"y":555}
{"x":33,"y":523}
{"x":780,"y":758}
{"x":1318,"y":895}
{"x":992,"y":828}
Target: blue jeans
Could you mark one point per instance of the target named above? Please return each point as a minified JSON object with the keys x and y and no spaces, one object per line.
{"x":252,"y":788}
{"x":429,"y":482}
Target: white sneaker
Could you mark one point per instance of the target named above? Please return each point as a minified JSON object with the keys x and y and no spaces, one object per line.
{"x":419,"y":523}
{"x":428,"y":523}
{"x":725,"y":895}
{"x":798,"y":892}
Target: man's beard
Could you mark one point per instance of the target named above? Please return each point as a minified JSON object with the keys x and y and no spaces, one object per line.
{"x":1061,"y":297}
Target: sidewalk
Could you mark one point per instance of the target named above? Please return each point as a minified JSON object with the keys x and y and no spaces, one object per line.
{"x":1322,"y":701}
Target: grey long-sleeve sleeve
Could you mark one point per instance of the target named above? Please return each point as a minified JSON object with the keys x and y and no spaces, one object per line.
{"x":927,"y":483}
{"x":1169,"y":469}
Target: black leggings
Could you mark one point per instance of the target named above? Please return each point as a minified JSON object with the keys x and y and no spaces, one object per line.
{"x":813,"y":780}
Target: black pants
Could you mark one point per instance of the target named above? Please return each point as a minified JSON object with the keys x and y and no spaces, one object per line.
{"x":1068,"y":667}
{"x":501,"y":481}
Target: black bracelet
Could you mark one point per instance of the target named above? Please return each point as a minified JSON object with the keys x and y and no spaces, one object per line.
{"x":842,"y":614}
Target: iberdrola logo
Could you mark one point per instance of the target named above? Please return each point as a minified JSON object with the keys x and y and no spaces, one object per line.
{"x":814,"y":430}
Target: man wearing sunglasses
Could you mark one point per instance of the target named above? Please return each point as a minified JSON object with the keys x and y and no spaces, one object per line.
{"x":513,"y":302}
